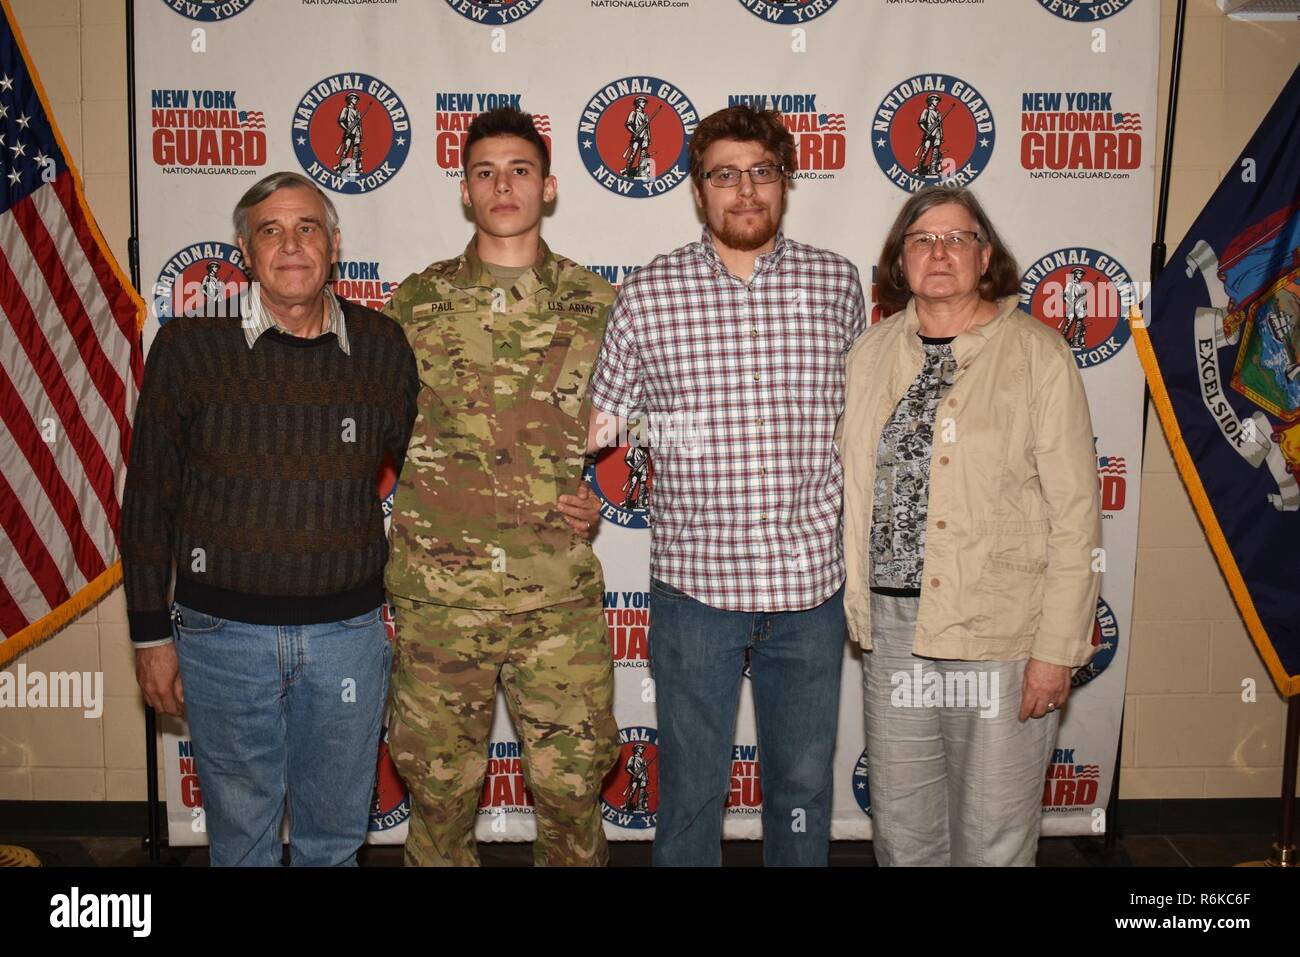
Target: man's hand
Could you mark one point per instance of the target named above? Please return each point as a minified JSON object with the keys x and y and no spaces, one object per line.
{"x":1045,"y":689}
{"x":159,"y":672}
{"x":581,"y":511}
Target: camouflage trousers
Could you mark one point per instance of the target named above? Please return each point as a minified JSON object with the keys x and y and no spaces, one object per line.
{"x":555,"y":669}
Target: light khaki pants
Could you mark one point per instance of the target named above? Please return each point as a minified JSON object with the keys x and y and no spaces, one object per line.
{"x":955,"y":777}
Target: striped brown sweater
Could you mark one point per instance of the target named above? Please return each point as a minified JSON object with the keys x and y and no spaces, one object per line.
{"x":254,"y":471}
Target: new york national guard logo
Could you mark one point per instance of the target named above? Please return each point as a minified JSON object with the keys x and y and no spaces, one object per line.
{"x":390,"y":803}
{"x":196,"y":278}
{"x":1105,"y":638}
{"x":622,"y":479}
{"x":494,"y":13}
{"x":1250,"y":336}
{"x":208,"y":11}
{"x":351,"y":133}
{"x":629,"y":798}
{"x":861,"y":785}
{"x":1086,"y":296}
{"x":633,"y":133}
{"x":791,"y":12}
{"x":1084,"y":11}
{"x":932,"y":128}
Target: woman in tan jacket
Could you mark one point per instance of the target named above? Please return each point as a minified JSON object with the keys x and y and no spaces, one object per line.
{"x":972,"y":534}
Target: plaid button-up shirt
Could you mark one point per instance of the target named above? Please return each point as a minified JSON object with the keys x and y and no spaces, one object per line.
{"x":740,"y":384}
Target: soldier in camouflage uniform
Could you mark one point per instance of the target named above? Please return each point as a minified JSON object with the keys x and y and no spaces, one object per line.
{"x":491,"y":569}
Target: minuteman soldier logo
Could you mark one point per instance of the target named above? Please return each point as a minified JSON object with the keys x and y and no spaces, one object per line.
{"x":494,"y":13}
{"x":197,"y":277}
{"x":933,"y":128}
{"x":351,"y":133}
{"x":622,"y":479}
{"x":633,"y":134}
{"x":1086,"y":296}
{"x":1105,"y":638}
{"x":208,"y":11}
{"x":791,"y":12}
{"x":629,"y":798}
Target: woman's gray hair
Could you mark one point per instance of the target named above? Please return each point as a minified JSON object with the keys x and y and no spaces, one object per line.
{"x":267,"y":185}
{"x":1002,"y":278}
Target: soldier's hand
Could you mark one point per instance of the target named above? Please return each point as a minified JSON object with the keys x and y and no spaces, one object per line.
{"x":159,"y":672}
{"x":581,"y":511}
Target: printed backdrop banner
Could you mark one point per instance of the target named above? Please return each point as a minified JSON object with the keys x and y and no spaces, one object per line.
{"x":1046,"y":108}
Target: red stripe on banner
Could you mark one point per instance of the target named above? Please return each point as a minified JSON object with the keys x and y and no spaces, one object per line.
{"x":98,"y":471}
{"x":46,"y":469}
{"x":12,"y":619}
{"x":103,"y":375}
{"x":31,"y":548}
{"x":119,"y":299}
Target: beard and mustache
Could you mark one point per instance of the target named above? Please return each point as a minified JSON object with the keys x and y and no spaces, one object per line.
{"x":747,"y":237}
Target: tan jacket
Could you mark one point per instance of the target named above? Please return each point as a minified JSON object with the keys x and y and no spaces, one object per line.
{"x":1014,"y":513}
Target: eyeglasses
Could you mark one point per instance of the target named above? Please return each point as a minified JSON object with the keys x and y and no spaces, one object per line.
{"x":724,"y":177}
{"x":956,"y":240}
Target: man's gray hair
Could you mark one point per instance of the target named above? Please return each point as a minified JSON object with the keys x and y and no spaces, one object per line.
{"x":267,"y":185}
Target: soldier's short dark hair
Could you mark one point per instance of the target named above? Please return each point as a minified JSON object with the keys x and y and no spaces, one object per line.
{"x":892,"y":292}
{"x":506,"y":121}
{"x":748,"y":125}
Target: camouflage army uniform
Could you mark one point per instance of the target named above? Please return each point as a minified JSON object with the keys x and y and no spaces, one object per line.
{"x":486,"y":577}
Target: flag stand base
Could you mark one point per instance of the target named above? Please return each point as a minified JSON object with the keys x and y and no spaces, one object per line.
{"x":1284,"y":847}
{"x":11,"y":855}
{"x":1282,"y":857}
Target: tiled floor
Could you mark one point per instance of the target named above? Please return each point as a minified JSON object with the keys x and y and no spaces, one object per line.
{"x":1174,"y":850}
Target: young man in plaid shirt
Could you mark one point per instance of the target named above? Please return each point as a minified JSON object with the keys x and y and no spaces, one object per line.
{"x":731,"y":350}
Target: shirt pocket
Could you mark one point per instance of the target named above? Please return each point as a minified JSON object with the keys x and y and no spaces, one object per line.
{"x":564,"y":373}
{"x":1013,"y":576}
{"x":445,"y":344}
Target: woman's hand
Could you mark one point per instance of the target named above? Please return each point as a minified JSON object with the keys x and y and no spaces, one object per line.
{"x":1045,"y":689}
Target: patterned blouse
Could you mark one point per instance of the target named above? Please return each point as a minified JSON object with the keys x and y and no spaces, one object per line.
{"x":903,"y":474}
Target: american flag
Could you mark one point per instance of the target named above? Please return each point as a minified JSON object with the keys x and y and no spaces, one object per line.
{"x":834,"y":122}
{"x":252,"y":119}
{"x":1128,"y":121}
{"x":1111,"y":465}
{"x":70,"y":366}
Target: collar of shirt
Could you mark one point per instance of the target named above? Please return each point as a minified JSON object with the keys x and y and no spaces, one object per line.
{"x":765,"y":263}
{"x":258,"y":319}
{"x":544,"y":274}
{"x":966,"y":346}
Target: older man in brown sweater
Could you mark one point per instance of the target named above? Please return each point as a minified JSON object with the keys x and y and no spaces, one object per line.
{"x":258,"y":437}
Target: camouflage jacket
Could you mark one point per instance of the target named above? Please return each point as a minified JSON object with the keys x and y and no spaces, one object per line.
{"x":500,"y":435}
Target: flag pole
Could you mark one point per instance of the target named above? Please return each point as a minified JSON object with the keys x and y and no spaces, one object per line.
{"x":152,"y":834}
{"x":1158,"y":251}
{"x":1284,"y":851}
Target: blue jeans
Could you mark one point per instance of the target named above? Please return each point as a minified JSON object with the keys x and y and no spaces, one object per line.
{"x":284,"y":710}
{"x":697,"y":656}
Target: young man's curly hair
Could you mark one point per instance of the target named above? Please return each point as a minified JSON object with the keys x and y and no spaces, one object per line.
{"x":746,"y":124}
